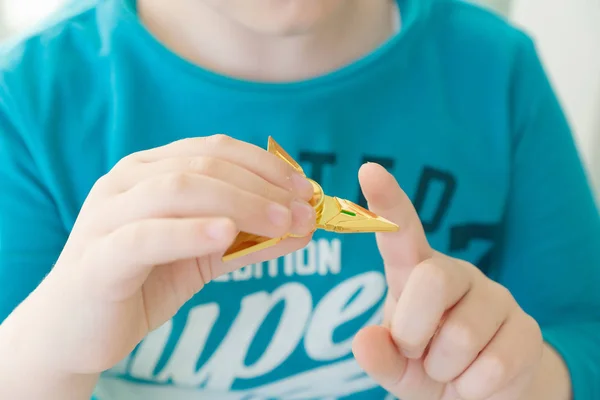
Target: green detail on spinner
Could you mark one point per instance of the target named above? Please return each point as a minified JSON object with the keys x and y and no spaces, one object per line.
{"x":349,"y":213}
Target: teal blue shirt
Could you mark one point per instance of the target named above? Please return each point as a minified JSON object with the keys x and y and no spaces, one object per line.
{"x":457,"y":106}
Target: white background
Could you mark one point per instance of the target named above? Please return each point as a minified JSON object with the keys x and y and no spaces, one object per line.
{"x":567,"y":33}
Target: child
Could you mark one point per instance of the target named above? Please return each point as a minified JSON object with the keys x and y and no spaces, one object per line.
{"x":132,"y":151}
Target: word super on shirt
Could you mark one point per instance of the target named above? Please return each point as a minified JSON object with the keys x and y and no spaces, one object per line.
{"x":456,"y":105}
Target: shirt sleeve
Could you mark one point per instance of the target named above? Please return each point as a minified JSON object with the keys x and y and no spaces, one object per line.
{"x":550,"y":258}
{"x":31,"y":232}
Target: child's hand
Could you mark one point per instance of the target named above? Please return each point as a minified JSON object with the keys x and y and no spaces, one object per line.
{"x":151,"y":234}
{"x":449,"y":332}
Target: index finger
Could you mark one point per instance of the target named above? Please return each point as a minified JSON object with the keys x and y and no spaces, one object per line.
{"x":246,"y":155}
{"x":402,"y":250}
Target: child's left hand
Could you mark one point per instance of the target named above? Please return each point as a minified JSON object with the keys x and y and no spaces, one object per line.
{"x":449,"y":332}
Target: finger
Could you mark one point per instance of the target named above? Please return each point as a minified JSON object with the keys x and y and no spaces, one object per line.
{"x":304,"y":219}
{"x":168,"y":287}
{"x":517,"y":388}
{"x":467,"y":329}
{"x":294,"y":186}
{"x":132,"y":250}
{"x":246,"y":155}
{"x":189,"y":196}
{"x":407,"y":247}
{"x":389,"y":307}
{"x":212,"y":267}
{"x":433,"y":287}
{"x":377,"y":354}
{"x":514,"y":349}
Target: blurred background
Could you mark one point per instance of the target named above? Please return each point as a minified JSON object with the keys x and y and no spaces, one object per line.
{"x":567,"y":33}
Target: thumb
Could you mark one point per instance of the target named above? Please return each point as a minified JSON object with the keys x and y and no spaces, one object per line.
{"x":406,"y":248}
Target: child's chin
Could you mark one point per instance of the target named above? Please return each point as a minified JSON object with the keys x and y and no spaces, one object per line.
{"x":289,"y":17}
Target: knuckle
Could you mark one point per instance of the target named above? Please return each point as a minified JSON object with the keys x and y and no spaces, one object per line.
{"x":435,"y":277}
{"x":103,"y":184}
{"x":127,"y":162}
{"x":197,"y":231}
{"x":104,"y":180}
{"x":502,"y":292}
{"x":119,"y":171}
{"x":173,"y":183}
{"x":534,"y":327}
{"x":534,"y":331}
{"x":218,"y":140}
{"x":462,"y":337}
{"x":204,"y":165}
{"x":494,"y":369}
{"x":483,"y":379}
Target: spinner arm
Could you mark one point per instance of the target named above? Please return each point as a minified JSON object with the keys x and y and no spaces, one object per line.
{"x":333,"y":214}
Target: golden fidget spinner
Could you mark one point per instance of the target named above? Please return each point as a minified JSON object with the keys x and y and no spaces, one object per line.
{"x":333,"y":214}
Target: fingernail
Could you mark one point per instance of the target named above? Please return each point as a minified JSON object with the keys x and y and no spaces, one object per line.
{"x":302,"y":186}
{"x":279,"y":215}
{"x":219,"y":229}
{"x":303,"y":212}
{"x":411,"y":354}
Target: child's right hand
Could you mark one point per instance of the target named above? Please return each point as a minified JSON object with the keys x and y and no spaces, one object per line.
{"x":151,"y":234}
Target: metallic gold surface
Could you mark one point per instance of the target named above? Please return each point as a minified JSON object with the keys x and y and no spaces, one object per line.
{"x":333,"y":214}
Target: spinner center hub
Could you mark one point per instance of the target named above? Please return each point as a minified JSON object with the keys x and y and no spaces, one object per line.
{"x":318,"y":198}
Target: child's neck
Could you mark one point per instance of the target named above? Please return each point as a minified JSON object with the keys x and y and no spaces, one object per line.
{"x":209,"y":39}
